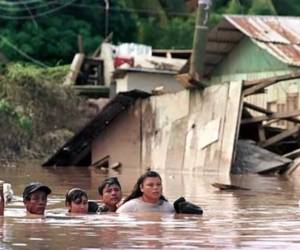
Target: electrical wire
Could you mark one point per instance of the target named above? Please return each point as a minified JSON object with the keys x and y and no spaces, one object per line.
{"x":32,"y":17}
{"x":18,"y":8}
{"x":70,"y":3}
{"x":20,"y":2}
{"x":38,"y":14}
{"x":129,"y":10}
{"x":9,"y":44}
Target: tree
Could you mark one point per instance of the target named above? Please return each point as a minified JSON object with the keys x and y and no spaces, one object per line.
{"x":49,"y":34}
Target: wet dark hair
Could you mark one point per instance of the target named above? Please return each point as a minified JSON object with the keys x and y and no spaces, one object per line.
{"x":108,"y":181}
{"x":75,"y":194}
{"x":33,"y":187}
{"x":136,"y":192}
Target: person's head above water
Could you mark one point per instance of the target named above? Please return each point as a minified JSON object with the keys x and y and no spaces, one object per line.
{"x":35,"y":197}
{"x":77,"y":201}
{"x":148,"y":187}
{"x":110,"y":193}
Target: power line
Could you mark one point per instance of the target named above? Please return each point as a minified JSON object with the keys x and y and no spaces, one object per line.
{"x":130,"y":10}
{"x":18,"y":8}
{"x":32,"y":17}
{"x":38,"y":14}
{"x":19,"y":2}
{"x":71,"y":3}
{"x":8,"y":43}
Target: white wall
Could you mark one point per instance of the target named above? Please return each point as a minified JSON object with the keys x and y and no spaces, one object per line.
{"x":147,"y":82}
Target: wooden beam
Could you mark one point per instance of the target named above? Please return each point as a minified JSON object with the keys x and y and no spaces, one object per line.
{"x":278,"y":115}
{"x":292,"y":155}
{"x":270,"y":122}
{"x":257,"y":88}
{"x":80,"y":44}
{"x":261,"y":133}
{"x":266,"y":111}
{"x":280,"y":137}
{"x":257,"y":108}
{"x":257,"y":85}
{"x":272,"y":80}
{"x":75,"y":69}
{"x":107,"y":39}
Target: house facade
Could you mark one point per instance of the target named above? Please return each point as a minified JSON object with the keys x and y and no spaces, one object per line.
{"x":256,"y":47}
{"x":144,"y":79}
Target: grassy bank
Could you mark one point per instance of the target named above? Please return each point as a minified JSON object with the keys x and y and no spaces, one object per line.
{"x":37,"y":114}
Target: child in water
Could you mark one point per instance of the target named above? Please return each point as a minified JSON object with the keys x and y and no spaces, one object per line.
{"x":77,"y":201}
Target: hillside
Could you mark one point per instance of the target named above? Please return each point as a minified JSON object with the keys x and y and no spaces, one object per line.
{"x":37,"y":113}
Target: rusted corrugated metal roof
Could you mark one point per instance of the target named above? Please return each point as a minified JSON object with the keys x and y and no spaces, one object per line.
{"x":280,"y":36}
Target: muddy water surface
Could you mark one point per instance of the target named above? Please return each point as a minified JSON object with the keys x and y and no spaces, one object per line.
{"x":265,"y":217}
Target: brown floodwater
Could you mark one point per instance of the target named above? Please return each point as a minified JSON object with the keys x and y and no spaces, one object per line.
{"x":264,"y":217}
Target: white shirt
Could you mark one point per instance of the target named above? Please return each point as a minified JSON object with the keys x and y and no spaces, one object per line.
{"x":137,"y":205}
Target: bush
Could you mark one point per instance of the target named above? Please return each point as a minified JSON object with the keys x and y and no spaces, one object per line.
{"x":33,"y":103}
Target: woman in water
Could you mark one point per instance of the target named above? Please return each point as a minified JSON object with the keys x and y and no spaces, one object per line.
{"x":147,"y":196}
{"x":77,"y":201}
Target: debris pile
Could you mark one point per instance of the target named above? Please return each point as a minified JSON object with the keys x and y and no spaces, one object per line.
{"x":264,"y":145}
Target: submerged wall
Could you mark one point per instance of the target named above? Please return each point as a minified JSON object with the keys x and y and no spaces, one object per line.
{"x":190,"y":130}
{"x":120,"y":141}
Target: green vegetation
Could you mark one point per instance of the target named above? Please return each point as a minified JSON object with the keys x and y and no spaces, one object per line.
{"x":37,"y":113}
{"x":47,"y":31}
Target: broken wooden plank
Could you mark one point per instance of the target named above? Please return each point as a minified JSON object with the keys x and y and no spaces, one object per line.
{"x":228,"y":187}
{"x":75,"y":69}
{"x":293,"y":168}
{"x":188,"y":82}
{"x":185,"y":80}
{"x":256,"y":88}
{"x":261,"y":133}
{"x":229,"y":140}
{"x":80,"y":44}
{"x":280,"y":136}
{"x":266,"y":111}
{"x":278,"y":115}
{"x":107,"y":39}
{"x":273,"y":79}
{"x":251,"y":158}
{"x":107,"y":57}
{"x":270,"y":122}
{"x":292,"y":155}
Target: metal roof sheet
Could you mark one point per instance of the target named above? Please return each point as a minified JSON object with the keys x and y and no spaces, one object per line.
{"x":274,"y":29}
{"x":278,"y":35}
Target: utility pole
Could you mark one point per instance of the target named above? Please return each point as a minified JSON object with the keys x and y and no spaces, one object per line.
{"x":199,"y":43}
{"x":106,"y":17}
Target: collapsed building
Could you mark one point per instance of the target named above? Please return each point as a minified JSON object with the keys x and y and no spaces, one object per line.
{"x":245,"y":121}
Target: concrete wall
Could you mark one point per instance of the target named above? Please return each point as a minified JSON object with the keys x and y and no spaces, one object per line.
{"x":121,"y":84}
{"x":190,"y":130}
{"x":147,"y":81}
{"x":121,"y":140}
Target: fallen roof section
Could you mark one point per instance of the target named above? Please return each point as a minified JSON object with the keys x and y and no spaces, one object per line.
{"x":78,"y":147}
{"x":251,"y":158}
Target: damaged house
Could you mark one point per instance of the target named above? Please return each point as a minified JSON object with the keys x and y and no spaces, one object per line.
{"x":246,"y":121}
